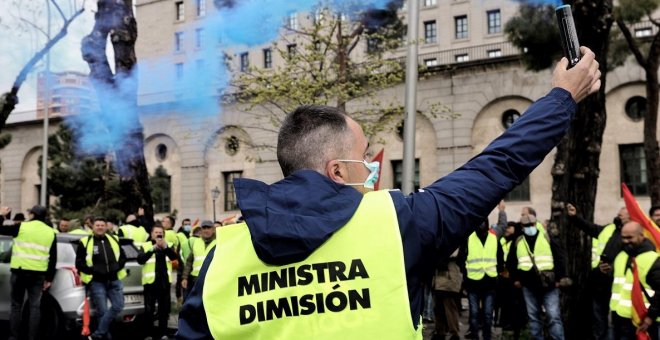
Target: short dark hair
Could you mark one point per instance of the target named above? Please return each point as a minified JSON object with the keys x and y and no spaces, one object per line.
{"x":531,"y":211}
{"x":158,"y":225}
{"x":185,"y":220}
{"x":311,"y":136}
{"x":64,"y":218}
{"x":99,"y":218}
{"x":653,"y":209}
{"x":172,"y":219}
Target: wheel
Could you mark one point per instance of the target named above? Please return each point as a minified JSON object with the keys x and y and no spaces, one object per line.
{"x":53,"y":322}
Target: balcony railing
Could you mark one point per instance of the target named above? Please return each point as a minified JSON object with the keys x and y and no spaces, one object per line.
{"x":481,"y":53}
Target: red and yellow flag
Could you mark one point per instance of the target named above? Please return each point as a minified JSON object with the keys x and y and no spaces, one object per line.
{"x":651,"y":231}
{"x":639,"y":309}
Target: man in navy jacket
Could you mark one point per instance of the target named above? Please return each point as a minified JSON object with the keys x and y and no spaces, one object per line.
{"x":290,"y":219}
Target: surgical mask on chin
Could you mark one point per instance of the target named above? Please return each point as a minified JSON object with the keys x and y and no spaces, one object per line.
{"x":373,"y":172}
{"x":530,"y":231}
{"x":187,"y":227}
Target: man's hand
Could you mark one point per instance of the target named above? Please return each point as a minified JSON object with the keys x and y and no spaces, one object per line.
{"x":570,"y":209}
{"x":4,"y":211}
{"x":605,"y":268}
{"x":161,"y":243}
{"x":501,"y":206}
{"x":581,"y":80}
{"x":517,"y":284}
{"x":184,"y":284}
{"x":644,"y":326}
{"x":46,"y":285}
{"x":140,"y":211}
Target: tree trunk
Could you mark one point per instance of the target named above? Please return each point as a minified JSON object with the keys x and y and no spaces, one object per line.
{"x":119,"y":92}
{"x":651,"y":150}
{"x":576,"y":169}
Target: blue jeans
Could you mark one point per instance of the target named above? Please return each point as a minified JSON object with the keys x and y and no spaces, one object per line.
{"x":550,"y":300}
{"x":32,"y":284}
{"x":486,"y":299}
{"x":100,"y":293}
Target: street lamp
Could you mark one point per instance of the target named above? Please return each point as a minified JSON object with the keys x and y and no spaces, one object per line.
{"x":215,"y":193}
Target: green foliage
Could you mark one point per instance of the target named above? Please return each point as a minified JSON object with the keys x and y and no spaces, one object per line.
{"x":83,"y":184}
{"x":161,"y":190}
{"x":632,"y":11}
{"x":5,"y":139}
{"x":535,"y":31}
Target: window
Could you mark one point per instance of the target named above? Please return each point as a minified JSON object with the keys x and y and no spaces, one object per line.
{"x":161,"y":184}
{"x":201,"y":8}
{"x":232,"y":145}
{"x":460,"y":58}
{"x":636,"y":108}
{"x":430,"y":32}
{"x":199,"y":37}
{"x":643,"y":32}
{"x":178,"y":70}
{"x":461,"y":26}
{"x":180,"y":11}
{"x":428,"y":3}
{"x":397,"y":169}
{"x":509,"y":117}
{"x":161,"y":152}
{"x":633,"y":168}
{"x":519,"y":193}
{"x":494,"y":53}
{"x":268,"y":58}
{"x":245,"y":62}
{"x":178,"y":41}
{"x":494,"y":21}
{"x":230,"y":192}
{"x":291,"y":50}
{"x":292,"y":21}
{"x":431,"y":62}
{"x":373,"y":45}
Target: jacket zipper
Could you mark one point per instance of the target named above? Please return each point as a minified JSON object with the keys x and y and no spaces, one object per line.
{"x":105,"y":255}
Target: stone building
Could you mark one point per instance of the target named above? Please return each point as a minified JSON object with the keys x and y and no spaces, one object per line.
{"x":476,"y":73}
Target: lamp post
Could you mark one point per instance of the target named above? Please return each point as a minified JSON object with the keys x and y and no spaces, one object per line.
{"x":215,"y":193}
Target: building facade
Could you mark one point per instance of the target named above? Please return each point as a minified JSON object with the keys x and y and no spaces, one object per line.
{"x":475,"y":72}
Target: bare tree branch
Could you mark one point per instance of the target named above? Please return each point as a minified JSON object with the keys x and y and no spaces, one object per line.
{"x":33,"y":25}
{"x":634,"y":48}
{"x":59,"y":10}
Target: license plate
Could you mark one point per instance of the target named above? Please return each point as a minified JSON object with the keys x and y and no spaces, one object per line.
{"x":133,"y":299}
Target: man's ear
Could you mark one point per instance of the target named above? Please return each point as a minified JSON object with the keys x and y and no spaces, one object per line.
{"x":336,"y":171}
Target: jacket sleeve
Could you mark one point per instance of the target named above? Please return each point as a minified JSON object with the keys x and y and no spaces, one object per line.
{"x":501,"y":224}
{"x":171,"y":254}
{"x":52,"y":261}
{"x":81,"y":263}
{"x":9,"y":230}
{"x":559,"y":257}
{"x":446,"y":212}
{"x":143,"y":256}
{"x":192,"y":318}
{"x":122,"y":257}
{"x":589,"y":228}
{"x":653,"y":280}
{"x":188,"y":268}
{"x":500,"y":257}
{"x":512,"y":262}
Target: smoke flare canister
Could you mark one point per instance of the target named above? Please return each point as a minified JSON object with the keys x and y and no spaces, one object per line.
{"x":568,"y":34}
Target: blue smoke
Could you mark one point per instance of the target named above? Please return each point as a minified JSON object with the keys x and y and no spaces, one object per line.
{"x":193,"y":88}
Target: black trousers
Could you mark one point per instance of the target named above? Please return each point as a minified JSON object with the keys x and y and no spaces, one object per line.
{"x":157,"y":292}
{"x":32,"y":284}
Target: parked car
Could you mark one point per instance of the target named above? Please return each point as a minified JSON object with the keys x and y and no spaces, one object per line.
{"x":62,"y":306}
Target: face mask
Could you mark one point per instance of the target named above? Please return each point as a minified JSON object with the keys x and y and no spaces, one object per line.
{"x":530,"y":231}
{"x":187,"y":227}
{"x":373,"y":172}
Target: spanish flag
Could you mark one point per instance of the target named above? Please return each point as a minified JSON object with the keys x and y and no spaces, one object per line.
{"x":639,"y":309}
{"x":651,"y":231}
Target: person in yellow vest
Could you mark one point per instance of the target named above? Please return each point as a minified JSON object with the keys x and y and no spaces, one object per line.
{"x":637,"y":247}
{"x":323,"y":256}
{"x":513,"y":316}
{"x":133,"y":231}
{"x":483,"y":261}
{"x":539,"y":264}
{"x":63,"y":226}
{"x":200,"y":248}
{"x":156,"y":256}
{"x":100,"y":261}
{"x":184,"y":235}
{"x":605,"y":246}
{"x":170,"y":235}
{"x":33,"y":259}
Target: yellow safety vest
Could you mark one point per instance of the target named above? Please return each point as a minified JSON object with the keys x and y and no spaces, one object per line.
{"x":620,"y":302}
{"x":149,"y":268}
{"x":171,"y":238}
{"x":80,"y":232}
{"x":31,"y":247}
{"x":352,"y":287}
{"x":542,"y":253}
{"x":481,"y":259}
{"x":506,"y":246}
{"x":598,"y":244}
{"x":137,"y":234}
{"x":199,"y":252}
{"x":88,"y":243}
{"x":184,"y":245}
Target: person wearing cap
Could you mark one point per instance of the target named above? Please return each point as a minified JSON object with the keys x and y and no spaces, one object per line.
{"x":606,"y":244}
{"x":33,"y":259}
{"x":200,"y":248}
{"x":100,"y":260}
{"x":323,"y":256}
{"x":156,"y":256}
{"x":538,"y":267}
{"x":133,"y":231}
